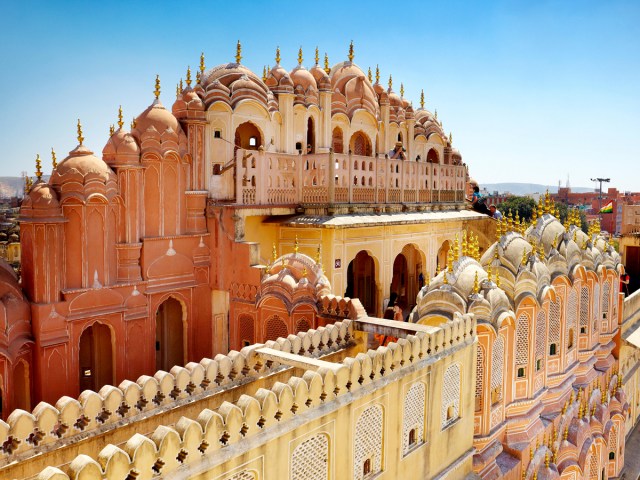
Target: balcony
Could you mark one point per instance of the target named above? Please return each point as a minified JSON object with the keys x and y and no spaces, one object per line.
{"x":328,"y":179}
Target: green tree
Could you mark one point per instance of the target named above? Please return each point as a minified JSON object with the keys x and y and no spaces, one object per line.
{"x":522,"y":205}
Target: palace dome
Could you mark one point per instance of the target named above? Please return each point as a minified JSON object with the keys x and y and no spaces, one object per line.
{"x":158,"y":117}
{"x":121,"y":147}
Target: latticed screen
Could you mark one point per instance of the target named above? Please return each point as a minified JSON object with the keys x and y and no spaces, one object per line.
{"x":497,"y":368}
{"x":479,"y":375}
{"x":572,"y":314}
{"x":540,"y":336}
{"x":413,"y":419}
{"x":310,"y":459}
{"x":522,"y":340}
{"x":368,"y":443}
{"x":584,"y":309}
{"x":554,"y":323}
{"x":275,"y":328}
{"x":450,"y":395}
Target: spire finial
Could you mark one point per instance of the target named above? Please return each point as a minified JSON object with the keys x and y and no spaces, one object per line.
{"x":401,"y":90}
{"x":350,"y":56}
{"x":390,"y":81}
{"x":476,"y":285}
{"x":369,"y":75}
{"x":112,"y":129}
{"x":422,"y":99}
{"x":326,"y":63}
{"x":451,"y":138}
{"x":54,"y":161}
{"x":120,"y":121}
{"x":133,"y":123}
{"x":296,"y":245}
{"x":300,"y":58}
{"x":38,"y":167}
{"x":264,"y":73}
{"x":188,"y":80}
{"x":27,"y":184}
{"x":317,"y":57}
{"x":274,"y":253}
{"x":277,"y":55}
{"x":80,"y":137}
{"x":156,"y":91}
{"x":436,"y":113}
{"x":198,"y":77}
{"x":318,"y":256}
{"x":202,"y":67}
{"x":377,"y":74}
{"x":177,"y":90}
{"x":238,"y":52}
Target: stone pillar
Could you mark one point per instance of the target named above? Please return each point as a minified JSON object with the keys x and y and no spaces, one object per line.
{"x":325,"y":128}
{"x":287,"y":138}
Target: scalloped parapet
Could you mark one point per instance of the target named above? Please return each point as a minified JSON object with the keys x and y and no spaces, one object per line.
{"x":26,"y":434}
{"x":323,"y":382}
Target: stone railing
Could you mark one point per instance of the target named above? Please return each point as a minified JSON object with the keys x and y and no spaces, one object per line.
{"x":25,"y":434}
{"x":168,"y":448}
{"x":266,"y":178}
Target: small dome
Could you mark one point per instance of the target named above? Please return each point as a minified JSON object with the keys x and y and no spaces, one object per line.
{"x":188,"y":104}
{"x":81,"y":161}
{"x":279,"y":80}
{"x":158,"y":117}
{"x":42,"y":200}
{"x":322,"y":79}
{"x":121,"y":147}
{"x":300,"y":76}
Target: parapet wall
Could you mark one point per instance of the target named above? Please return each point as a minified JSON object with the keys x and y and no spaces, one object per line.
{"x":189,"y":439}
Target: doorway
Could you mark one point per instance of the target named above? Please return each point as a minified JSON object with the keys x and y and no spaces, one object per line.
{"x":361,"y":281}
{"x":96,"y":357}
{"x":169,"y":335}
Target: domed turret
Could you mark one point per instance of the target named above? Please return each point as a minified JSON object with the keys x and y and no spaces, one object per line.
{"x":122,"y":147}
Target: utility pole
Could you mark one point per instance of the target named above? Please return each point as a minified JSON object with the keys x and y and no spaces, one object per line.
{"x":601,"y":181}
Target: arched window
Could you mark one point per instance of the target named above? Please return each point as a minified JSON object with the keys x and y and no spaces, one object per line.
{"x":413,"y":418}
{"x":584,"y":310}
{"x":368,"y":443}
{"x":310,"y":459}
{"x":554,"y":327}
{"x":522,"y":343}
{"x":497,"y":369}
{"x":336,"y":140}
{"x":275,"y":328}
{"x":479,"y":377}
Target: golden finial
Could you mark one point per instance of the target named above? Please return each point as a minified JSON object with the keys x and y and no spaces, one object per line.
{"x":369,"y":75}
{"x":450,"y":260}
{"x":436,"y":113}
{"x":572,"y":398}
{"x":575,"y":235}
{"x":238,"y":52}
{"x":350,"y":56}
{"x":156,"y":91}
{"x":541,"y":250}
{"x":198,"y":78}
{"x":593,"y":410}
{"x":498,"y":283}
{"x":112,"y":129}
{"x":120,"y":121}
{"x":390,"y":81}
{"x":277,"y":55}
{"x":517,"y":217}
{"x":531,"y":452}
{"x":177,"y":90}
{"x":537,"y":443}
{"x":202,"y":63}
{"x":264,"y":73}
{"x":535,"y":475}
{"x":565,"y":434}
{"x":565,"y":406}
{"x":546,"y":459}
{"x":133,"y":123}
{"x":525,"y":256}
{"x":80,"y":137}
{"x":54,"y":161}
{"x":27,"y":184}
{"x":377,"y":74}
{"x":304,"y":272}
{"x":38,"y":168}
{"x":456,"y":249}
{"x":283,"y":262}
{"x":540,"y":207}
{"x":327,"y":69}
{"x":422,"y":99}
{"x":317,"y":57}
{"x":295,"y":245}
{"x":401,"y":90}
{"x":619,"y":381}
{"x":318,"y":256}
{"x":274,"y":252}
{"x":188,"y":77}
{"x":437,"y":269}
{"x":489,"y":272}
{"x":510,"y":220}
{"x":300,"y":58}
{"x":476,"y":286}
{"x":524,"y":473}
{"x":464,"y":243}
{"x":446,"y":270}
{"x":450,"y":138}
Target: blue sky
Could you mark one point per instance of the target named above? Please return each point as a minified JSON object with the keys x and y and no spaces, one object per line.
{"x":532,"y":91}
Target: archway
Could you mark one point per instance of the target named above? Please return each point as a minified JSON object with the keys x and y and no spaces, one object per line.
{"x":361,"y":281}
{"x":360,"y":144}
{"x":311,"y":137}
{"x":408,"y":277}
{"x":169,"y":335}
{"x":432,"y":156}
{"x":248,"y":136}
{"x":21,"y":390}
{"x":441,"y":260}
{"x":336,"y":140}
{"x":96,"y":357}
{"x":398,"y":288}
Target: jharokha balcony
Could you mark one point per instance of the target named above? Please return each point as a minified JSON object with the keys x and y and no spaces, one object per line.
{"x":373,"y":183}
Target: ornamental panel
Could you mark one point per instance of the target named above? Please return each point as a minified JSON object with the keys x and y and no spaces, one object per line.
{"x":413,"y":418}
{"x":522,"y":340}
{"x":368,"y":443}
{"x":310,"y":459}
{"x":450,"y":409}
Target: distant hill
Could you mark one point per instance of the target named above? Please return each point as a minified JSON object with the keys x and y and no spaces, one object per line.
{"x":528,"y":188}
{"x":14,"y":186}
